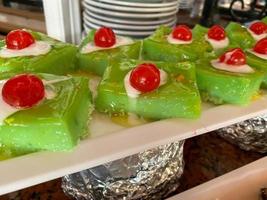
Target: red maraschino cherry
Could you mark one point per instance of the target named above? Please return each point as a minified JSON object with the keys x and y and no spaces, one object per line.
{"x":145,"y":77}
{"x":19,"y":39}
{"x":261,"y":46}
{"x":23,"y":91}
{"x":104,"y":37}
{"x":216,"y":32}
{"x":258,"y":28}
{"x":235,"y":57}
{"x":182,"y":32}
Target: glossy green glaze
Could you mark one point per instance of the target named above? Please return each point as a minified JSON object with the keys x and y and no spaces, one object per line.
{"x":200,"y":32}
{"x":259,"y":64}
{"x":179,"y":97}
{"x":239,"y":35}
{"x":60,"y":60}
{"x":156,"y":47}
{"x":220,"y":86}
{"x":56,"y":124}
{"x":96,"y":62}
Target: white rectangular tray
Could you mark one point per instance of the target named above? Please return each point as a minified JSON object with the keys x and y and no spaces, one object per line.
{"x":110,"y":141}
{"x":244,"y":183}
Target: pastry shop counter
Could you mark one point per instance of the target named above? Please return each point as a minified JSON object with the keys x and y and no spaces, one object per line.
{"x":206,"y":157}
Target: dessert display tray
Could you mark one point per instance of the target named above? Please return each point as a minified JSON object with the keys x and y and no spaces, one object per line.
{"x":244,"y":183}
{"x":110,"y":141}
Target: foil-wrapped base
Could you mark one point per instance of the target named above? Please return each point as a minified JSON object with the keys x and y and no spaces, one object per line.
{"x":250,"y":135}
{"x":152,"y":174}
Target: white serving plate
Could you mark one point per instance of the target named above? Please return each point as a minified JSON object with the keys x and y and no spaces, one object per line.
{"x":241,"y":184}
{"x":110,"y":141}
{"x":140,"y":4}
{"x":126,"y":8}
{"x":153,"y":21}
{"x":113,"y":25}
{"x":130,"y":15}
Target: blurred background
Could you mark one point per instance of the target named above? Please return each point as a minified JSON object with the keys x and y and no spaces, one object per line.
{"x":68,"y":20}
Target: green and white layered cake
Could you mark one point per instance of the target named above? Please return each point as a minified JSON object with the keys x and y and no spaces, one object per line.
{"x":246,"y":36}
{"x":29,"y":51}
{"x":43,"y":112}
{"x":228,"y":79}
{"x":154,"y":90}
{"x":103,"y":46}
{"x":175,"y":45}
{"x":257,"y":57}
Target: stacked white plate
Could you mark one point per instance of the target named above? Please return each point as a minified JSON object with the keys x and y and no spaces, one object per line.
{"x":186,"y":4}
{"x":134,"y":18}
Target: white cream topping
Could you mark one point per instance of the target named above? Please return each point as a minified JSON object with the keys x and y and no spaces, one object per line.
{"x":7,"y":110}
{"x":172,"y":40}
{"x":120,"y":41}
{"x":255,"y":36}
{"x":231,"y":68}
{"x":35,"y":49}
{"x":132,"y":92}
{"x":262,"y":56}
{"x":217,"y":44}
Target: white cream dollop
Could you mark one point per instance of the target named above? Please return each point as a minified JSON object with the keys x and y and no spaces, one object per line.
{"x":217,"y":44}
{"x":120,"y":41}
{"x":246,"y":69}
{"x":172,"y":40}
{"x":262,"y":56}
{"x":35,"y":49}
{"x":132,"y":92}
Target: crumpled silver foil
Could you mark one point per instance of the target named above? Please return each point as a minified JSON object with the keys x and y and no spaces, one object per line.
{"x":152,"y":174}
{"x":250,"y":135}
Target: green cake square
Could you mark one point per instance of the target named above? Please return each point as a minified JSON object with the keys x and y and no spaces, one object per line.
{"x":59,"y":60}
{"x":179,"y":97}
{"x":55,"y":124}
{"x":220,"y":86}
{"x":97,"y":61}
{"x":156,"y":47}
{"x":239,"y":35}
{"x":199,"y":34}
{"x":260,"y":64}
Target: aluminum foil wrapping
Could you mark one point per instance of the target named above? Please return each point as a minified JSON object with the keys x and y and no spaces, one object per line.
{"x":152,"y":174}
{"x":250,"y":135}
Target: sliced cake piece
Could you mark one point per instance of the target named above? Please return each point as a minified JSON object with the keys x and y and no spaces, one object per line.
{"x":228,"y":79}
{"x":154,"y":90}
{"x":177,"y":45}
{"x":43,"y":112}
{"x":102,"y":46}
{"x":28,"y":51}
{"x":216,"y":36}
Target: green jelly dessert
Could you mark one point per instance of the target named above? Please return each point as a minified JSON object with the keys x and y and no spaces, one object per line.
{"x":255,"y":58}
{"x":98,"y":60}
{"x":60,"y":59}
{"x":201,"y":33}
{"x":241,"y":36}
{"x":178,"y":97}
{"x":220,"y":86}
{"x":156,"y":47}
{"x":57,"y":123}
